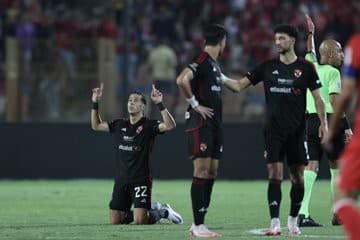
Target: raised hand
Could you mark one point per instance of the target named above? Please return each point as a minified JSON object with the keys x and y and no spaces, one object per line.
{"x":156,"y":95}
{"x":97,"y":93}
{"x":310,"y":24}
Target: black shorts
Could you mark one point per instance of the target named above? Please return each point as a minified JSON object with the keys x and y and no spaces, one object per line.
{"x":204,"y":139}
{"x":314,"y":142}
{"x":124,"y":195}
{"x":279,"y":145}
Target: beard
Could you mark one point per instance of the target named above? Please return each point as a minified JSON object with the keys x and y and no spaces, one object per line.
{"x":283,"y":51}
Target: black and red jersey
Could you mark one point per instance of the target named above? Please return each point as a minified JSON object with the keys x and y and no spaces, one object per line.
{"x":285,"y":87}
{"x":206,"y":84}
{"x":133,"y":146}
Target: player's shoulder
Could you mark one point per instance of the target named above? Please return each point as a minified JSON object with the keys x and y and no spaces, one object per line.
{"x":269,"y":62}
{"x":201,"y":57}
{"x":150,"y":121}
{"x":302,"y":61}
{"x":119,"y":121}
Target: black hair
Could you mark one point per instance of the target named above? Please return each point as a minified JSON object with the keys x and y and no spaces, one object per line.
{"x":214,"y":33}
{"x":287,"y":29}
{"x":143,"y":98}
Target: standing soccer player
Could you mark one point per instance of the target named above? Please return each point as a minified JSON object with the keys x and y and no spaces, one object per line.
{"x":348,"y":182}
{"x":134,"y":138}
{"x":331,"y":56}
{"x":286,"y":80}
{"x":200,"y":82}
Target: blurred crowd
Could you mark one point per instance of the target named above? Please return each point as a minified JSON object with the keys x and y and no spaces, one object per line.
{"x":58,"y":47}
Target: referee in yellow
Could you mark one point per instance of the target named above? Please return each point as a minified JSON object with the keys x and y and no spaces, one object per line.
{"x":331,"y":57}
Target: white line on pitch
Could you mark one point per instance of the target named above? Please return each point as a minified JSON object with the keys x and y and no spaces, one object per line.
{"x":261,"y":231}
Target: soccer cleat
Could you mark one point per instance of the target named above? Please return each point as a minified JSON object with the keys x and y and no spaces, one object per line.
{"x":172,"y":215}
{"x":274,"y":229}
{"x":335,"y":221}
{"x":293,"y":227}
{"x":155,"y":205}
{"x":307,"y":221}
{"x":202,"y":231}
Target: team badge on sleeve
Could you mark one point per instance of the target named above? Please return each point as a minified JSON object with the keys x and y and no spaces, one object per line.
{"x":297,"y":73}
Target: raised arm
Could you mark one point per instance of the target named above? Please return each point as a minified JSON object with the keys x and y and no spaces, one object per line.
{"x":183,"y":81}
{"x":320,"y":109}
{"x":96,"y":123}
{"x":235,"y":85}
{"x":168,"y":122}
{"x":310,"y":43}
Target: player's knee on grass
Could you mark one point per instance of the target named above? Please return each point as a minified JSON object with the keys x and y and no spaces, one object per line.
{"x":140,"y":216}
{"x":117,"y":217}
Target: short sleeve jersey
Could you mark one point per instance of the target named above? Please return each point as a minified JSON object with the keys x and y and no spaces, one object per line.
{"x":285,"y":87}
{"x":133,"y":145}
{"x":206,"y":86}
{"x":331,"y":84}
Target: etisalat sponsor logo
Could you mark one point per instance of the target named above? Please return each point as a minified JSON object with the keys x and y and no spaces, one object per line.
{"x":280,"y":90}
{"x":129,"y":148}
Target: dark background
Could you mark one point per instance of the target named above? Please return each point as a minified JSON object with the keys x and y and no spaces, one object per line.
{"x":63,"y":151}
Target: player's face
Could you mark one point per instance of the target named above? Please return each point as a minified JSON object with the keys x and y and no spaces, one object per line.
{"x":337,"y":55}
{"x":284,"y":43}
{"x":135,"y":105}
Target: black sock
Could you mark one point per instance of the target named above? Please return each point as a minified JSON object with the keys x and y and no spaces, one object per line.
{"x":129,"y":217}
{"x":274,"y":197}
{"x":209,"y":183}
{"x":198,"y":187}
{"x":296,"y":196}
{"x":156,"y":215}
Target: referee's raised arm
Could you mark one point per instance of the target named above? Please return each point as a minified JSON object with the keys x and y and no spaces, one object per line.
{"x":96,"y":123}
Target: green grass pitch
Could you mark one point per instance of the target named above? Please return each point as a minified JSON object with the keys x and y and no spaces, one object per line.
{"x":78,"y":209}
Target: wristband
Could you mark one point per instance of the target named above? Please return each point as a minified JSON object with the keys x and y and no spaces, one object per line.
{"x":192,"y":101}
{"x":345,"y":123}
{"x":223,"y":78}
{"x":161,"y":106}
{"x":95,"y":106}
{"x":309,"y":33}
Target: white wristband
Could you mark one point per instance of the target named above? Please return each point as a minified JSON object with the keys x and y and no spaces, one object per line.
{"x":192,"y":101}
{"x":223,"y":78}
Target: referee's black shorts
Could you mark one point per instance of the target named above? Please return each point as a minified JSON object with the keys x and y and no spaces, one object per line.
{"x":280,"y":145}
{"x":315,"y":149}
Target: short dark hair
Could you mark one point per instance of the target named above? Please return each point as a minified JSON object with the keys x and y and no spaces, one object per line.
{"x":287,"y":29}
{"x":214,"y":33}
{"x":143,"y":98}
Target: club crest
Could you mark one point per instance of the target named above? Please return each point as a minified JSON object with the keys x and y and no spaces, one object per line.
{"x":297,"y":73}
{"x":203,"y":147}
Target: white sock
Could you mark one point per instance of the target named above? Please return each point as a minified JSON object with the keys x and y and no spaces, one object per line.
{"x":292,"y":221}
{"x":275,"y":222}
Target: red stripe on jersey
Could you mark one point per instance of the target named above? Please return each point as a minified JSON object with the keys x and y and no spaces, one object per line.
{"x":201,"y":58}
